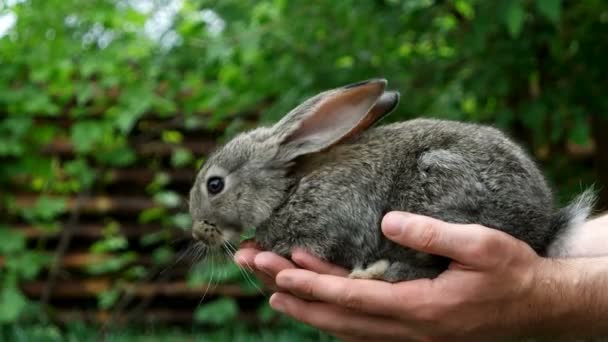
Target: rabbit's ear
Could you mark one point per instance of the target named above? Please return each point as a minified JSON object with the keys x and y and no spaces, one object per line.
{"x":385,"y":104}
{"x":330,"y":117}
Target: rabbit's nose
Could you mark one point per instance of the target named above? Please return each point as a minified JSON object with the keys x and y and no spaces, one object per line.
{"x":206,"y":232}
{"x":209,"y":223}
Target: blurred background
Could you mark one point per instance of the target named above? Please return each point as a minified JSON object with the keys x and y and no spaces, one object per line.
{"x":108,"y":107}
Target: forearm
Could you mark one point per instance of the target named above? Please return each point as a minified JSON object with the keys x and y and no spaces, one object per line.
{"x":571,"y":298}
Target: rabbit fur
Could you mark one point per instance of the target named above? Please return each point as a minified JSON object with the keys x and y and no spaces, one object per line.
{"x":322,"y":178}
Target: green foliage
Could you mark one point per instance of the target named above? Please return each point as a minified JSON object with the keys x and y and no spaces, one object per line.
{"x":44,"y":210}
{"x":85,"y":74}
{"x":12,"y":302}
{"x":238,"y":332}
{"x":514,"y":17}
{"x":550,"y":8}
{"x":214,"y":271}
{"x":218,"y":312}
{"x":181,"y":157}
{"x":167,"y":199}
{"x":248,"y":234}
{"x":11,"y":241}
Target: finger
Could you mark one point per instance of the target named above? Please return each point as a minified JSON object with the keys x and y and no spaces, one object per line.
{"x":271,"y":263}
{"x":338,"y":321}
{"x":245,"y":259}
{"x":312,"y":263}
{"x":370,"y":296}
{"x":249,"y":243}
{"x":468,"y":244}
{"x":245,"y":255}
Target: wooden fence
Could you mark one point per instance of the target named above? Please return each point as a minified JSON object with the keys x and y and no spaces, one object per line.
{"x":164,"y":296}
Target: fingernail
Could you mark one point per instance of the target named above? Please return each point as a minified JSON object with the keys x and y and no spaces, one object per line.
{"x":284,"y":280}
{"x":287,"y":278}
{"x":394,"y":222}
{"x":276,"y":302}
{"x":238,"y":258}
{"x":262,"y":262}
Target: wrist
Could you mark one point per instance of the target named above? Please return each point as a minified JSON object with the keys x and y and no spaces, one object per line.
{"x":567,"y":297}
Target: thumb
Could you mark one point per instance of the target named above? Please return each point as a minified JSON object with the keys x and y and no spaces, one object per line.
{"x":469,"y":244}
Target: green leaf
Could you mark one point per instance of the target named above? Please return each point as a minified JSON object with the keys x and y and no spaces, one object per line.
{"x":248,"y":234}
{"x":45,"y":209}
{"x":167,"y":199}
{"x":181,"y":157}
{"x":118,"y":156}
{"x":160,"y":180}
{"x":134,"y":102}
{"x":84,"y":93}
{"x":113,"y":264}
{"x":581,"y":132}
{"x":44,"y":134}
{"x":182,"y":221}
{"x":345,"y":62}
{"x":12,"y":302}
{"x":136,"y":272}
{"x":40,"y":103}
{"x":162,"y":255}
{"x":465,"y":8}
{"x":13,"y":132}
{"x":28,"y":264}
{"x":153,"y":238}
{"x":152,"y":214}
{"x":266,"y":313}
{"x":218,"y":312}
{"x":11,"y":241}
{"x":86,"y":134}
{"x":110,"y":244}
{"x":80,"y":170}
{"x":107,"y":299}
{"x":514,"y":17}
{"x":172,"y":137}
{"x":126,"y":121}
{"x":550,"y":8}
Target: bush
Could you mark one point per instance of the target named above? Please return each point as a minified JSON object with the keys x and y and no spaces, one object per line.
{"x":91,"y":80}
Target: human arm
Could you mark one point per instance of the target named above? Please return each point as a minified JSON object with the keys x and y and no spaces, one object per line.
{"x":497,"y":287}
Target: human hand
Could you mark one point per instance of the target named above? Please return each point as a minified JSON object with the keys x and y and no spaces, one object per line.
{"x":489,"y":290}
{"x":266,"y":265}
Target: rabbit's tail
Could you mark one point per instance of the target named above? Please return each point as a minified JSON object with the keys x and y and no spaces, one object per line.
{"x":567,"y":221}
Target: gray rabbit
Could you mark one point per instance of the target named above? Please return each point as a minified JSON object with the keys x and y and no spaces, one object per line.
{"x":321,"y":179}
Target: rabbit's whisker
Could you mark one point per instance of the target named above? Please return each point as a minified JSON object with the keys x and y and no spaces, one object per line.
{"x":231,"y":250}
{"x":186,"y":251}
{"x":210,"y":282}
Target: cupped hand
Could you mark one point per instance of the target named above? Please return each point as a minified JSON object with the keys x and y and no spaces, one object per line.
{"x":266,"y":265}
{"x":489,"y":290}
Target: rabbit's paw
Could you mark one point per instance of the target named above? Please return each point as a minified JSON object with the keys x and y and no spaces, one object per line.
{"x":373,"y":271}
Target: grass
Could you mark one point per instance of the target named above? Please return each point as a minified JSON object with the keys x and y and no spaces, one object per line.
{"x":76,"y":332}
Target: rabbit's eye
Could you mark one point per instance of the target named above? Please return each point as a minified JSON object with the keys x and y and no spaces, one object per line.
{"x":215,"y":185}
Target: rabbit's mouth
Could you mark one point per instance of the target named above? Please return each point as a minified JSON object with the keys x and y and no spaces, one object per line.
{"x":212,"y":235}
{"x":206,"y":232}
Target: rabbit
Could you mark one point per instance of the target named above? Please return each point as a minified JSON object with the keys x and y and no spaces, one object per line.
{"x":322,"y":178}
